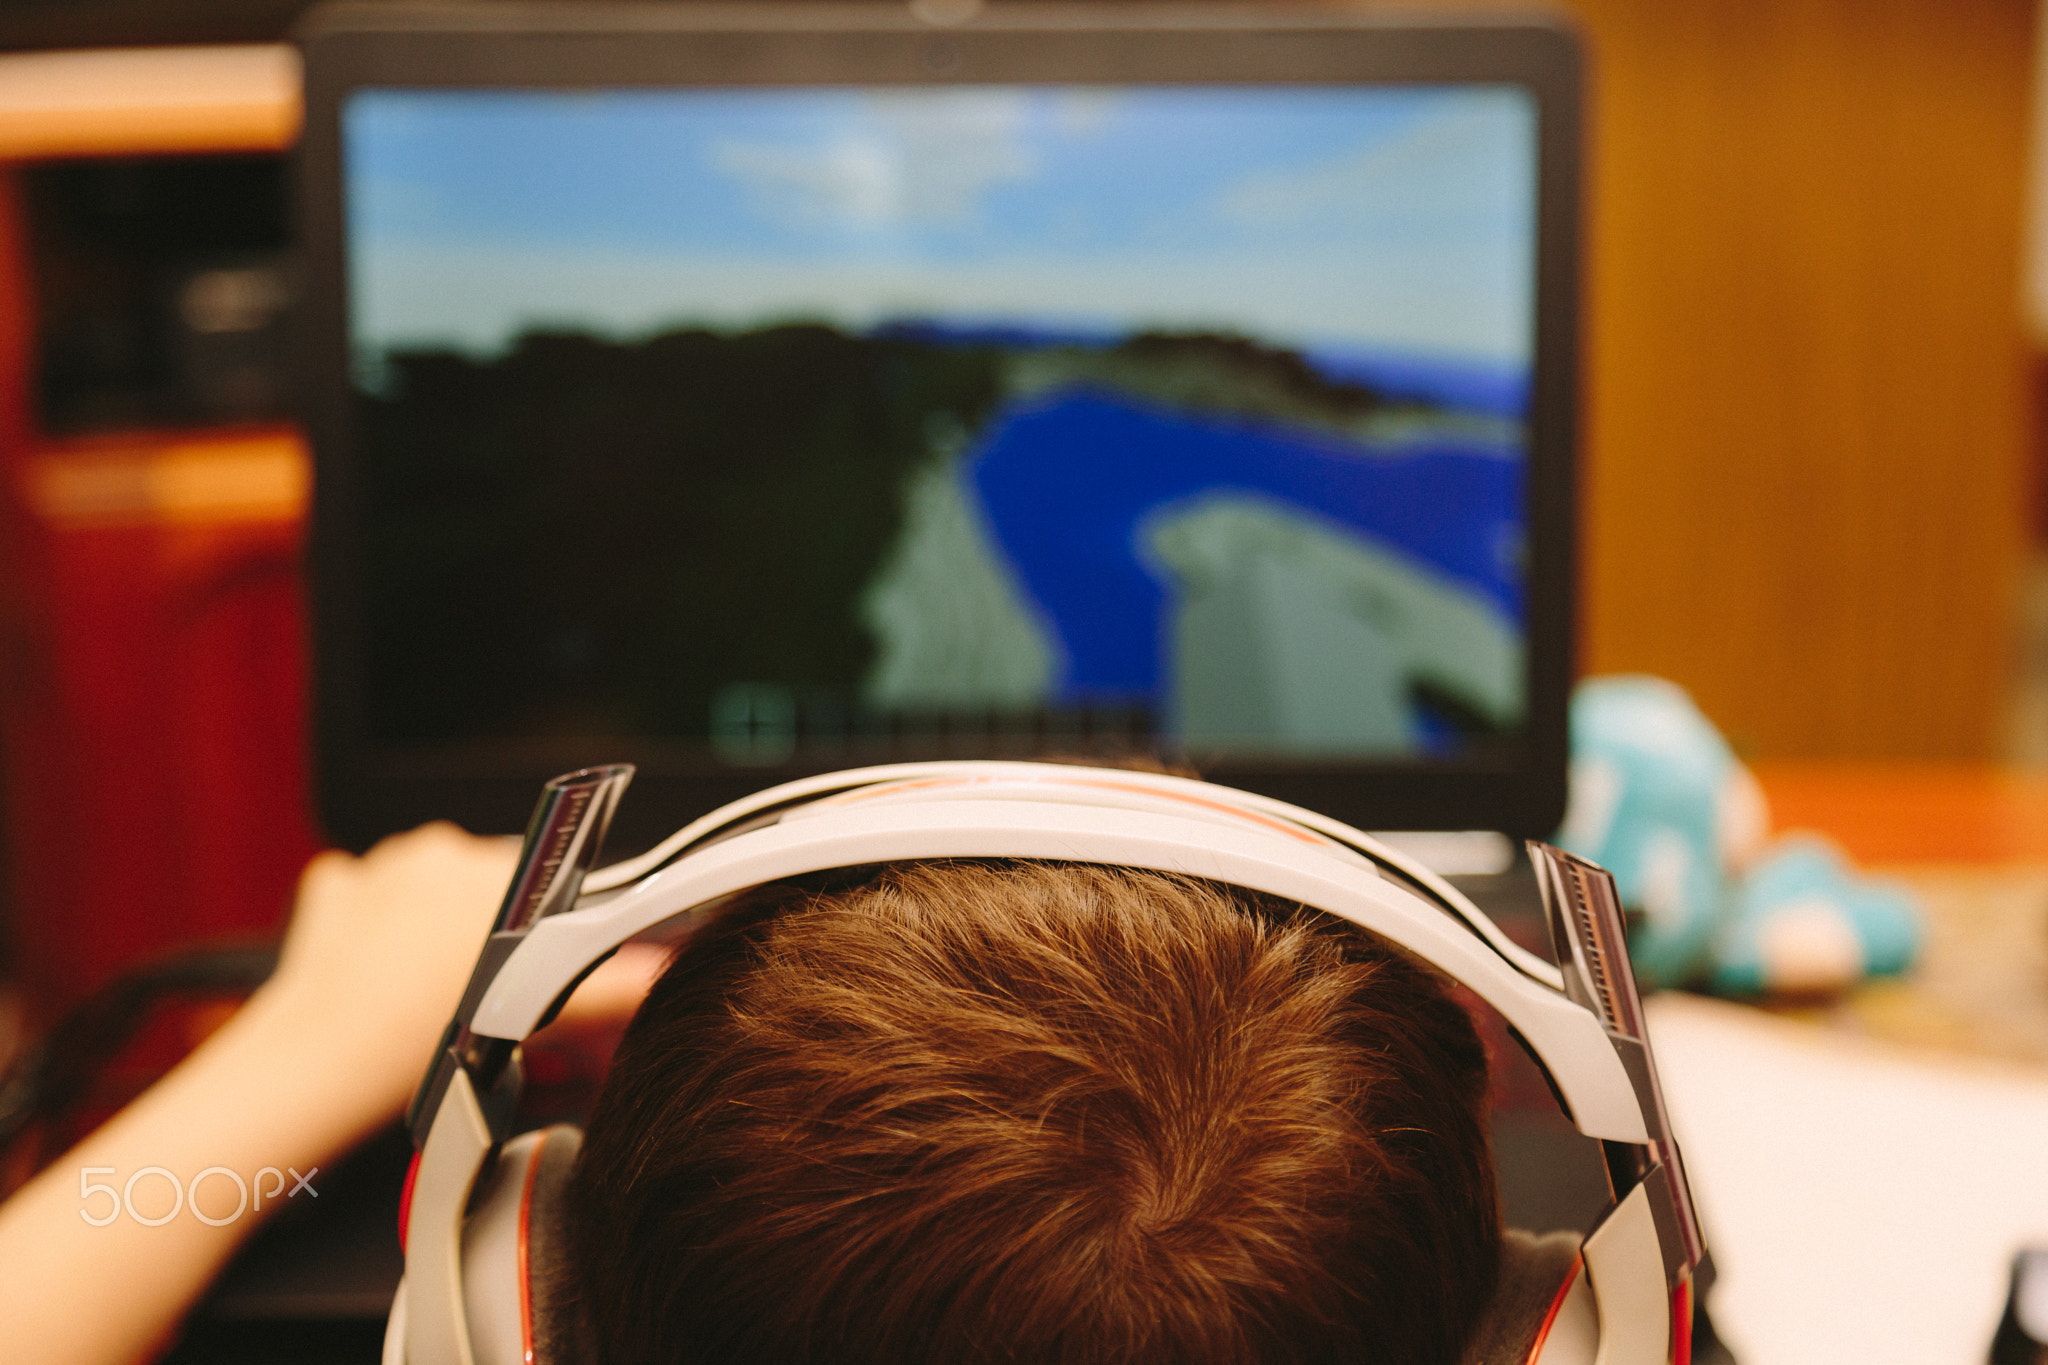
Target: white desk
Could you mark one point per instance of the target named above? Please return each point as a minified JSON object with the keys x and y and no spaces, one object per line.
{"x":1863,"y":1201}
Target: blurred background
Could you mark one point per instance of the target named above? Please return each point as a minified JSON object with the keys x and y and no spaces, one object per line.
{"x":1814,"y":478}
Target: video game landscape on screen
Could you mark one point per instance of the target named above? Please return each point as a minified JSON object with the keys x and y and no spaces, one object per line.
{"x":974,"y":415}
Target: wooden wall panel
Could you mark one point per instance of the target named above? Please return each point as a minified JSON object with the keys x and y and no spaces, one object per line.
{"x":1807,"y":411}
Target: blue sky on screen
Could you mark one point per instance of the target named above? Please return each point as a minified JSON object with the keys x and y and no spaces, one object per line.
{"x":1377,"y":221}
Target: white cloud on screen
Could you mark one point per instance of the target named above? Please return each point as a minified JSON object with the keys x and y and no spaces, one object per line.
{"x":1469,"y":166}
{"x":1084,"y":113}
{"x":912,"y":165}
{"x":1420,"y":241}
{"x":1422,"y":296}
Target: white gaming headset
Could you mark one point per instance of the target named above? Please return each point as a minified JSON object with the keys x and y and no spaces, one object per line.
{"x":477,"y":1256}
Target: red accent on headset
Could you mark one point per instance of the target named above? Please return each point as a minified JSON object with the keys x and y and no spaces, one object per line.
{"x":1556,"y":1306}
{"x":525,"y":1259}
{"x":1681,"y":1323}
{"x":412,"y":1175}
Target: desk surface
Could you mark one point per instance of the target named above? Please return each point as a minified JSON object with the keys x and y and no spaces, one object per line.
{"x":1863,"y":1200}
{"x":1887,"y":814}
{"x":1866,"y":1167}
{"x":1973,"y":844}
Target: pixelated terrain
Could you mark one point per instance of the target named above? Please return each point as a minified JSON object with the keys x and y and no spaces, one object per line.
{"x":799,"y":531}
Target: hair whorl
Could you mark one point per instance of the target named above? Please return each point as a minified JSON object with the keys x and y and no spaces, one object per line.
{"x":1038,"y":1113}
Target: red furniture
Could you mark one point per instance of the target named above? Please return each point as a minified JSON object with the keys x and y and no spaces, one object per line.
{"x":152,"y":655}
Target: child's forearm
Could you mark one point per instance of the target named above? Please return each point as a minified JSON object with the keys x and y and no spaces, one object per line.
{"x":324,"y":1053}
{"x":266,"y":1094}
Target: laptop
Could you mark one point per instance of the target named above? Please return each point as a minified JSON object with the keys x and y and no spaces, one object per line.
{"x":753,"y":391}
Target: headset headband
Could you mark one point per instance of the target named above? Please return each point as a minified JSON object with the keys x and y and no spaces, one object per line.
{"x":1580,"y":1020}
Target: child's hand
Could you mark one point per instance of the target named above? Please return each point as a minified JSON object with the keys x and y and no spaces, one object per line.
{"x":329,"y":1049}
{"x":379,"y":950}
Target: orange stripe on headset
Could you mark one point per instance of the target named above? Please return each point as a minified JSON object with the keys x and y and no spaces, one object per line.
{"x":1278,"y":826}
{"x":525,"y":1268}
{"x":1556,"y":1307}
{"x":1681,"y":1323}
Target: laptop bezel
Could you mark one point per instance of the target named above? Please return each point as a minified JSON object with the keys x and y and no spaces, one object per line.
{"x":365,"y":791}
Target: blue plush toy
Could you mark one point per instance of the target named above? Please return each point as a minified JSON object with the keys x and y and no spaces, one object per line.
{"x":1658,"y":798}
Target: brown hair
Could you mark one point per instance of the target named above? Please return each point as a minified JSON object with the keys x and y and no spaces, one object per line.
{"x":970,"y":1112}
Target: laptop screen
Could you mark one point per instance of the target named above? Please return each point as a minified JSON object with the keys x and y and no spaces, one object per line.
{"x":777,"y":426}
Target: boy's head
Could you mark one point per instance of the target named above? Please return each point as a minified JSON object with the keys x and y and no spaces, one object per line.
{"x":1035,"y":1112}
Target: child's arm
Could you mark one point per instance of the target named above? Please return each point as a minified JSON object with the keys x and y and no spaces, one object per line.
{"x":322,"y":1055}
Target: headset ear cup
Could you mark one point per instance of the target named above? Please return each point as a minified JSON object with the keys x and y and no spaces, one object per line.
{"x":1536,"y":1274}
{"x":553,"y":1322}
